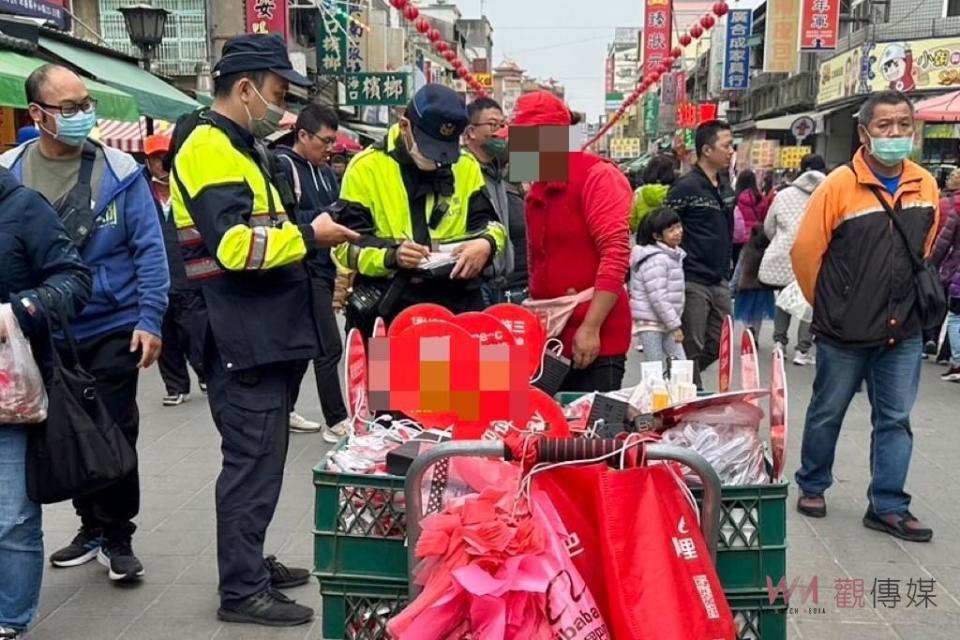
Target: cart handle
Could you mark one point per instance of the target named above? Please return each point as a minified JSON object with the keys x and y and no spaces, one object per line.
{"x":709,"y":510}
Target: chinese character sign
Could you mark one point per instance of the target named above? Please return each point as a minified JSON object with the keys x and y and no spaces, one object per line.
{"x":657,"y":31}
{"x":782,"y":37}
{"x":331,"y":43}
{"x":378,"y":89}
{"x":651,"y":114}
{"x":355,"y":31}
{"x":267,"y":16}
{"x":608,"y":76}
{"x":51,"y":11}
{"x":736,"y":59}
{"x":819,"y":25}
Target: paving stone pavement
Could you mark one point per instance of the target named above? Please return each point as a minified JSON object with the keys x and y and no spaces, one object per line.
{"x":179,"y":462}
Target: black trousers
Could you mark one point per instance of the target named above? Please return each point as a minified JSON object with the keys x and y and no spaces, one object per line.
{"x":605,"y":374}
{"x":109,"y":360}
{"x":180,"y":334}
{"x":251,"y":410}
{"x":331,"y":350}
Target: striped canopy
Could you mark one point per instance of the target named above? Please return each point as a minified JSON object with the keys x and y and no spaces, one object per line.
{"x":128,"y":136}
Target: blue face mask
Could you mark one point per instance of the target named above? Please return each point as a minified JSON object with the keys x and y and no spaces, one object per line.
{"x":74,"y":130}
{"x":891,"y":151}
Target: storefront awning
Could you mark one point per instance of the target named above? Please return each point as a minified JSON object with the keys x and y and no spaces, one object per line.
{"x":942,"y":108}
{"x":15,"y":67}
{"x":156,"y":98}
{"x":783,"y":123}
{"x":128,"y":136}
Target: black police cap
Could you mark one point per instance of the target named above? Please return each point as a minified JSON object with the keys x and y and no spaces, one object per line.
{"x":258,"y":52}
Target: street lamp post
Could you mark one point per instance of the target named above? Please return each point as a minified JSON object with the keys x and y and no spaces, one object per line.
{"x":145,"y":24}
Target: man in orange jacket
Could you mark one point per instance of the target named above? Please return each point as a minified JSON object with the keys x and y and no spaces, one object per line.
{"x":853,"y":265}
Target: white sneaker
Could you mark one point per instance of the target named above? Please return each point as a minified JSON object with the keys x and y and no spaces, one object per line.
{"x":802,"y":359}
{"x":299,"y":424}
{"x":175,"y":399}
{"x":334,"y":434}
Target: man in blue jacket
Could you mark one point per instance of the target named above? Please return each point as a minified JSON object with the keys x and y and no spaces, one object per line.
{"x":316,"y":188}
{"x":118,"y":332}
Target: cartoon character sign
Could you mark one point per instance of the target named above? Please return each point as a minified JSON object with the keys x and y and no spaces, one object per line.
{"x":896,"y":65}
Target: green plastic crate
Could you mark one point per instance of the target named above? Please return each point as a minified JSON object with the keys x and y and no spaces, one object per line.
{"x":753,"y":535}
{"x":359,"y":610}
{"x":359,"y":526}
{"x":756,"y":618}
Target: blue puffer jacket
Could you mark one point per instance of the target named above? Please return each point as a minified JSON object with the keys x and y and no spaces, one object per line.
{"x":657,"y":285}
{"x":125,"y":251}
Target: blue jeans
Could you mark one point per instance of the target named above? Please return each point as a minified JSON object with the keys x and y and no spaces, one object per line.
{"x":892,"y":376}
{"x":953,"y":334}
{"x":21,"y":537}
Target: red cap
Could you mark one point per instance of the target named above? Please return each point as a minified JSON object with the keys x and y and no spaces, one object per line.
{"x":540,"y":108}
{"x":156,"y":143}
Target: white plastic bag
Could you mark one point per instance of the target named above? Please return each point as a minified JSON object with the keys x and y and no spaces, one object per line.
{"x":791,"y":300}
{"x":23,"y":398}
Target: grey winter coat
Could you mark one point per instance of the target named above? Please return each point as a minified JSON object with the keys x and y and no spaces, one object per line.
{"x":657,"y":285}
{"x":781,"y":224}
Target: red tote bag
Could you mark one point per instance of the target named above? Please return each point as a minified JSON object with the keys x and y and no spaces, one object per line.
{"x":666,"y":584}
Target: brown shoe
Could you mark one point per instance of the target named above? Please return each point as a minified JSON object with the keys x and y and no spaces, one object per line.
{"x":901,"y":525}
{"x":812,"y":506}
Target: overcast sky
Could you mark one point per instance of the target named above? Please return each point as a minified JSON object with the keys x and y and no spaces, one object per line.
{"x":567,"y":45}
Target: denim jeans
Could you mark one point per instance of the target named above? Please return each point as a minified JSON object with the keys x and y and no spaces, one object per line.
{"x":953,"y":335}
{"x":660,"y":345}
{"x":893,"y":377}
{"x":21,"y":537}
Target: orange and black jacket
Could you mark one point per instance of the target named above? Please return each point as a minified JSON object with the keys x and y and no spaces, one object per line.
{"x":851,"y":262}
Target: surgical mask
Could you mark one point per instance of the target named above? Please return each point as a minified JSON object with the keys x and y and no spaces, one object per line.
{"x":891,"y":151}
{"x":495,"y":148}
{"x":74,"y":130}
{"x":423,"y":162}
{"x":269,"y":123}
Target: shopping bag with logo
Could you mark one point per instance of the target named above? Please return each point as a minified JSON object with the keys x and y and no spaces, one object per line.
{"x":23,"y":398}
{"x":653,"y":551}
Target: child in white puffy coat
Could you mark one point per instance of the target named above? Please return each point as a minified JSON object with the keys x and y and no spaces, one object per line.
{"x":657,"y":285}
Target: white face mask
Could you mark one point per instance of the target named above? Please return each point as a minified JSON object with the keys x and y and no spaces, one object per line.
{"x":423,"y":162}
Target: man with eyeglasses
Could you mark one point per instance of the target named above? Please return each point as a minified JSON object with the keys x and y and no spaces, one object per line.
{"x":110,"y":215}
{"x":316,"y":188}
{"x":485,"y":139}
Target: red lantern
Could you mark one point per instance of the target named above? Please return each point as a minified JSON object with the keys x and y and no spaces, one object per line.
{"x":457,"y":63}
{"x":399,"y":4}
{"x":462,"y":72}
{"x":449,"y":55}
{"x":433,"y":35}
{"x":696,"y":31}
{"x":439,"y":46}
{"x":685,"y":40}
{"x":720,"y":8}
{"x":422,"y":25}
{"x":677,"y":53}
{"x":410,"y":12}
{"x":707,"y":21}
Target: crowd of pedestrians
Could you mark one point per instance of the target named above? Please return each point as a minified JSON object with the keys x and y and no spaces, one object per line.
{"x":195,"y":259}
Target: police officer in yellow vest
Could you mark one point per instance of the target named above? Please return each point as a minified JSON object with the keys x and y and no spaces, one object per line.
{"x":413,"y":196}
{"x":239,"y":244}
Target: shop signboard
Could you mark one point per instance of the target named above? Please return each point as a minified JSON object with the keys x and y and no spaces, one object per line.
{"x":790,"y":157}
{"x":49,"y":10}
{"x":355,"y":30}
{"x":782,"y":37}
{"x":912,"y":65}
{"x":651,"y":114}
{"x":266,"y":16}
{"x":484,"y":79}
{"x":378,"y":89}
{"x":624,"y":148}
{"x":657,"y":33}
{"x":819,"y":25}
{"x":608,"y":74}
{"x":331,"y":40}
{"x":736,"y":60}
{"x":613,"y":101}
{"x":764,"y":154}
{"x":668,"y":105}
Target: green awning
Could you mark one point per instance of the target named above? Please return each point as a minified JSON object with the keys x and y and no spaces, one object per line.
{"x":155,"y":97}
{"x":15,"y":67}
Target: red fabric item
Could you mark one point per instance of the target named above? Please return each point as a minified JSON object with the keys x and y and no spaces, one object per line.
{"x":753,"y":208}
{"x":540,"y":108}
{"x":636,"y":542}
{"x":577,"y":238}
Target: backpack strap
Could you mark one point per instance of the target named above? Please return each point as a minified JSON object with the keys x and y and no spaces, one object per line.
{"x":297,"y":187}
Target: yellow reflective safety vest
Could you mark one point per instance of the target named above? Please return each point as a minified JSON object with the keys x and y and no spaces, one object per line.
{"x":388,"y":200}
{"x":241,"y":248}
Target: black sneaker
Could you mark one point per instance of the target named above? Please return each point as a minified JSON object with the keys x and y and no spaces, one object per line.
{"x":9,"y":633}
{"x":269,"y":608}
{"x":284,"y":577}
{"x":203,"y":388}
{"x":900,"y":525}
{"x":118,"y":557}
{"x":82,"y":550}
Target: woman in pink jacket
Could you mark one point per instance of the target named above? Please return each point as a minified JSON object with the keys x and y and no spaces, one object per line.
{"x":751,"y":209}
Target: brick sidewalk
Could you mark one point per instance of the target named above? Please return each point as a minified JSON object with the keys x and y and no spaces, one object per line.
{"x":179,"y":458}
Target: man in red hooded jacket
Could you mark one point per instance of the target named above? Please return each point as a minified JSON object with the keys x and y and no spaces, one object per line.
{"x":577,"y":239}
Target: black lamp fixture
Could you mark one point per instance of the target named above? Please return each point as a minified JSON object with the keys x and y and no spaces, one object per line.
{"x":145,"y":24}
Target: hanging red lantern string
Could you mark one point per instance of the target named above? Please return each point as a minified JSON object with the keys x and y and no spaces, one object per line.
{"x":651,"y":79}
{"x":423,"y":25}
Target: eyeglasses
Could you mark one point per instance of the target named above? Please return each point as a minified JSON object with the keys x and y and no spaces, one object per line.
{"x":327,"y":140}
{"x":495,"y":125}
{"x":70,"y":109}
